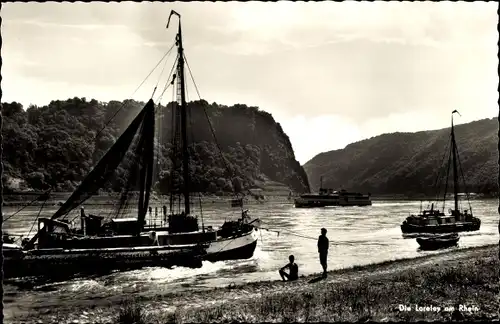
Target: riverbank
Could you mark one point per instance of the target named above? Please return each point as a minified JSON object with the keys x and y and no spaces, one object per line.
{"x":467,"y":277}
{"x":58,"y":198}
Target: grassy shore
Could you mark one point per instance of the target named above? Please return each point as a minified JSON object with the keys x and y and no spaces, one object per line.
{"x":468,"y":282}
{"x":467,"y":277}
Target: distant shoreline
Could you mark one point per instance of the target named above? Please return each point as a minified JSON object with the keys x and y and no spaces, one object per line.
{"x":57,"y":199}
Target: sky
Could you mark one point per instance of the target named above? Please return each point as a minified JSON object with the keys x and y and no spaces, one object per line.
{"x":330,"y":73}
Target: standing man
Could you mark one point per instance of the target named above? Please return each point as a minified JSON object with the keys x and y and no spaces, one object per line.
{"x":323,"y":244}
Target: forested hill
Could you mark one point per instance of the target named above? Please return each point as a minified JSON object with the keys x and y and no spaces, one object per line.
{"x":408,"y":163}
{"x":55,"y":146}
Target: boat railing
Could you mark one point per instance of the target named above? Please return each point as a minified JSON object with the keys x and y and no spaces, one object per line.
{"x":156,"y":222}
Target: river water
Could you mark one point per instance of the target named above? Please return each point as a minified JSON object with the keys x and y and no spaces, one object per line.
{"x":358,"y":236}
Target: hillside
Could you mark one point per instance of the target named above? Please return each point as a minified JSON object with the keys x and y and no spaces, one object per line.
{"x":56,"y":146}
{"x":408,"y":163}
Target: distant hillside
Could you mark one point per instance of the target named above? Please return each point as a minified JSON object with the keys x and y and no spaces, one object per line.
{"x":55,"y":146}
{"x":408,"y":163}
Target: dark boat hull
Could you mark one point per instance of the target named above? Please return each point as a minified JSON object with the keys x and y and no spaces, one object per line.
{"x":442,"y":228}
{"x":316,"y":204}
{"x":58,"y":263}
{"x":429,"y":244}
{"x":72,"y":253}
{"x":72,"y":259}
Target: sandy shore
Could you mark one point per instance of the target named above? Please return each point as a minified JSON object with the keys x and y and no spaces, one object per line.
{"x":249,"y":302}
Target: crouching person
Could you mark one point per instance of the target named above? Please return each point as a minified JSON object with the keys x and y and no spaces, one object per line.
{"x":293,"y":270}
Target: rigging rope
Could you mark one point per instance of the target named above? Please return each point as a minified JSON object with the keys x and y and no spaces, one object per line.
{"x":191,"y":133}
{"x":232,"y":174}
{"x":29,"y":204}
{"x":162,"y":115}
{"x":140,"y":85}
{"x":173,"y":153}
{"x":160,"y":97}
{"x":447,"y":177}
{"x":463,"y":178}
{"x":34,"y":222}
{"x":436,"y":183}
{"x":159,"y":77}
{"x":169,"y":82}
{"x":193,"y":148}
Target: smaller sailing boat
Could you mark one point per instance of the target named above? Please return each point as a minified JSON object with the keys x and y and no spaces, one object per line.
{"x":438,"y":241}
{"x":435,"y":221}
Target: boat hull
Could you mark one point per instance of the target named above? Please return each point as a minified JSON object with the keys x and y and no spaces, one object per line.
{"x":59,"y":263}
{"x":233,"y":248}
{"x":407,"y":228}
{"x":436,"y":243}
{"x":302,"y":203}
{"x":102,"y":254}
{"x":329,"y":197}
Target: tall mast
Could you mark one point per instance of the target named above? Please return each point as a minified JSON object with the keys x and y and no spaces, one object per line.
{"x":455,"y":172}
{"x":180,"y":73}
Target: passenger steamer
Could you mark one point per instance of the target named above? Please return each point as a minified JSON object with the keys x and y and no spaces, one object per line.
{"x":329,"y":197}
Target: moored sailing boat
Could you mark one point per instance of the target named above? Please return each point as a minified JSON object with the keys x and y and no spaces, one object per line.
{"x":58,"y":249}
{"x":434,"y":220}
{"x":134,"y":241}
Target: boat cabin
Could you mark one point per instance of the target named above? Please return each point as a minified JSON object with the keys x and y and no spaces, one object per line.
{"x":324,"y":191}
{"x":51,"y":231}
{"x":124,"y":226}
{"x":432,"y":212}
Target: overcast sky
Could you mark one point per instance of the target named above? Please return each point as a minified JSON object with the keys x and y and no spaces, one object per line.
{"x":330,"y":73}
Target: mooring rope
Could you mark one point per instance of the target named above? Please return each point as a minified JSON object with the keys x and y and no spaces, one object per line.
{"x":285,"y":231}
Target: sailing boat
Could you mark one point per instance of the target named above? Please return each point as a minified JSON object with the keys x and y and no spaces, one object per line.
{"x":133,"y":241}
{"x":59,"y":250}
{"x":434,"y":220}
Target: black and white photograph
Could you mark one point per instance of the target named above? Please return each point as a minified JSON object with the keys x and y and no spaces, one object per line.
{"x":249,"y":162}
